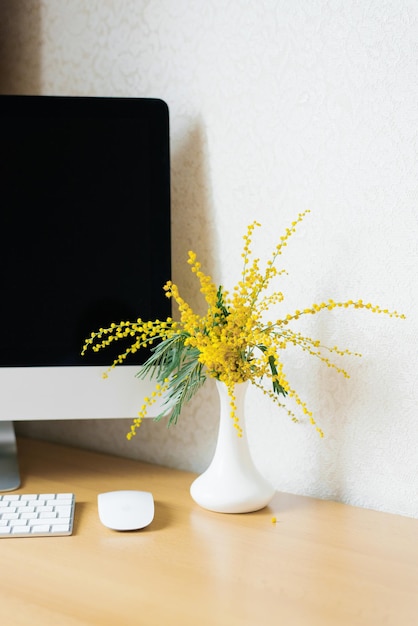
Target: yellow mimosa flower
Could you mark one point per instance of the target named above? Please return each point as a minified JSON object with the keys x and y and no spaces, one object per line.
{"x":232,"y":341}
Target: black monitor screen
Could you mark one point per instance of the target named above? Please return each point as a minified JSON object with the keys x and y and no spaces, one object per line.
{"x":84,"y":222}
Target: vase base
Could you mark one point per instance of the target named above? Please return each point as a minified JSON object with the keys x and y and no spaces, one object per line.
{"x":247,"y":499}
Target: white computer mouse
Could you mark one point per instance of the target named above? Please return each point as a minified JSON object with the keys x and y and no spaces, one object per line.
{"x":125,"y":510}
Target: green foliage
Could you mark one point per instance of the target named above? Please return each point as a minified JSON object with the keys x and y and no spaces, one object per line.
{"x":173,"y":361}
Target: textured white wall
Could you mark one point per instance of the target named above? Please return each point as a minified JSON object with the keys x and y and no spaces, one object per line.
{"x":276,"y":106}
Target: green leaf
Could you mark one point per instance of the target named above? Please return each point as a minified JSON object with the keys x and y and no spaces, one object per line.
{"x":277,"y":388}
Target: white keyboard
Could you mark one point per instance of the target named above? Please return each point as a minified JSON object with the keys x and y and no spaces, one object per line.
{"x":36,"y":515}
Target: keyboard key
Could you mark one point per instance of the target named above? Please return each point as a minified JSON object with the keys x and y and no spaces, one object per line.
{"x":22,"y":530}
{"x":60,"y":528}
{"x":9,"y":516}
{"x":44,"y":528}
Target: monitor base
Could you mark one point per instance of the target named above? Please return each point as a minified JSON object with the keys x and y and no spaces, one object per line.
{"x":9,"y":467}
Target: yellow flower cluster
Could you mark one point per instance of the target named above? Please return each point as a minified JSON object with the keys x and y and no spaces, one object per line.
{"x":145,"y":334}
{"x":232,"y":341}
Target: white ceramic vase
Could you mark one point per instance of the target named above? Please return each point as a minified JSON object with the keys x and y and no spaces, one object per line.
{"x":232,"y":483}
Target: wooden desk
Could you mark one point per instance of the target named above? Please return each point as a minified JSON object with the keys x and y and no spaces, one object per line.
{"x":321,"y":564}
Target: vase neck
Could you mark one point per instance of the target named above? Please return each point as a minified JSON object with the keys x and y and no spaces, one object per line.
{"x":239,"y":391}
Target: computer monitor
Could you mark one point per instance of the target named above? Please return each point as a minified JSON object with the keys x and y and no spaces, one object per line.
{"x":84,"y":242}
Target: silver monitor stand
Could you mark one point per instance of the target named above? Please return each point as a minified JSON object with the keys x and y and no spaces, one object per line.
{"x":9,"y":468}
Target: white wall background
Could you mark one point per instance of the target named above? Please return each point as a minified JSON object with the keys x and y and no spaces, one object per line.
{"x":276,"y":106}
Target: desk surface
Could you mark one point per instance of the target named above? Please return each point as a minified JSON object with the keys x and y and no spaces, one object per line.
{"x":322,"y":563}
